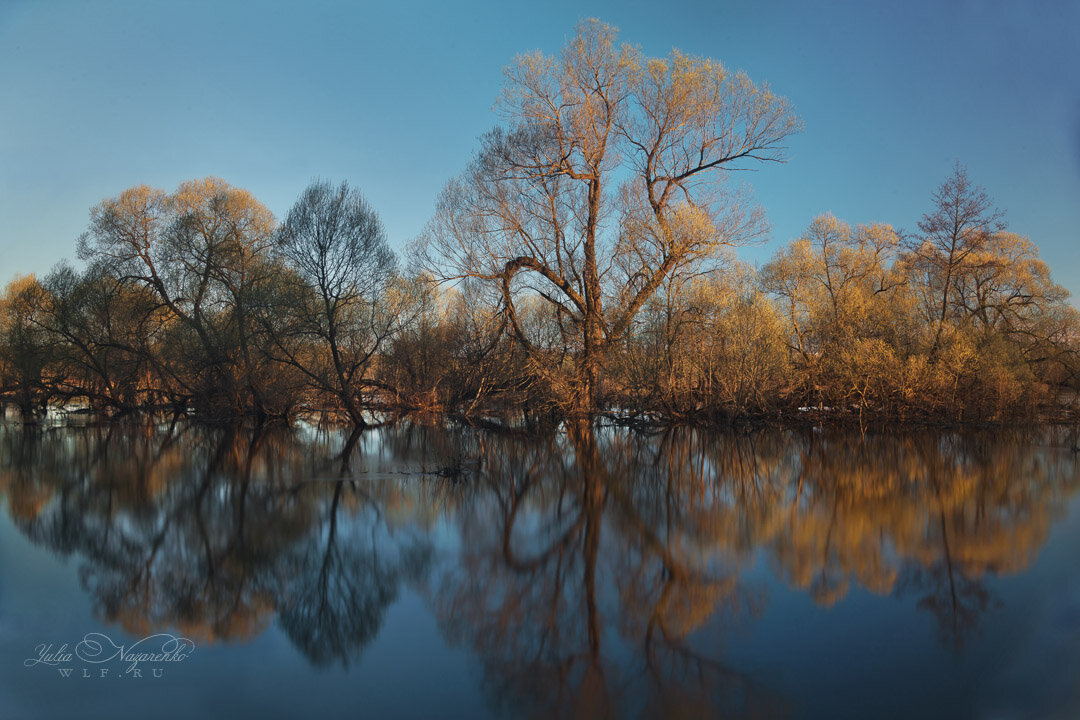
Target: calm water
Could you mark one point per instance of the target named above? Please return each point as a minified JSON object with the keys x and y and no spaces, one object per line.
{"x":452,"y":572}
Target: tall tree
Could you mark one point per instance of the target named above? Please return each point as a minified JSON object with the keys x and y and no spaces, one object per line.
{"x":105,"y":330}
{"x":962,"y":221}
{"x":204,"y":251}
{"x":836,"y":290}
{"x":340,"y":308}
{"x":26,"y":350}
{"x":607,"y":177}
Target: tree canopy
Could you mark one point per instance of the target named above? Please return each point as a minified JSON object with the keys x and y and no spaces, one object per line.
{"x":609,"y":175}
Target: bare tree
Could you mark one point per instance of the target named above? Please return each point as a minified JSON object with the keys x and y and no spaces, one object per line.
{"x":26,"y":350}
{"x":608,"y":177}
{"x":334,"y":243}
{"x":105,"y":329}
{"x":203,"y":250}
{"x":962,"y":222}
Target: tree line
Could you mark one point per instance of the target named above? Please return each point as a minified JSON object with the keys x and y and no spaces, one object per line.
{"x":583,"y":263}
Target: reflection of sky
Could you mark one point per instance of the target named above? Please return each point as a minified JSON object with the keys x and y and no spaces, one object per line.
{"x":392,"y":96}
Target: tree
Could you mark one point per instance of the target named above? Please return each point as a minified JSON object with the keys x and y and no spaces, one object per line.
{"x":335,"y":245}
{"x":607,"y":178}
{"x":453,"y":354}
{"x":962,"y":222}
{"x":837,"y":293}
{"x":713,"y":346}
{"x":104,"y":330}
{"x":204,"y":251}
{"x":26,"y":350}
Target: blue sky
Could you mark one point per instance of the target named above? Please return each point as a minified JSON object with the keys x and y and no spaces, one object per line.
{"x":98,"y":96}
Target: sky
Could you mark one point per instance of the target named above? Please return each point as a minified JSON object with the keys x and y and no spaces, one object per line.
{"x":98,"y":96}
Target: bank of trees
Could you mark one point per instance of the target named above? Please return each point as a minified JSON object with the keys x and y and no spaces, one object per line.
{"x":581,"y":264}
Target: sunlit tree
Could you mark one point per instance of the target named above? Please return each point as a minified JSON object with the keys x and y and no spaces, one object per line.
{"x":609,"y":175}
{"x":204,"y":251}
{"x":838,"y":293}
{"x":962,"y":221}
{"x":26,"y":350}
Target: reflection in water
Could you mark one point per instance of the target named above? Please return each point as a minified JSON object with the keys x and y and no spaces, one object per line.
{"x":593,"y":573}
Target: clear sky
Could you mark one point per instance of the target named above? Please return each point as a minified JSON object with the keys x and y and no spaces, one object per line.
{"x":98,"y":96}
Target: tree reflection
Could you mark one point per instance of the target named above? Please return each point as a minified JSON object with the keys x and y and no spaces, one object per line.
{"x":595,"y":565}
{"x":594,"y":571}
{"x":212,"y":531}
{"x":337,"y":590}
{"x":582,"y":576}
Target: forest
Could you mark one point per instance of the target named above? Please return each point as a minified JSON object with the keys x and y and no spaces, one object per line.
{"x":584,"y":263}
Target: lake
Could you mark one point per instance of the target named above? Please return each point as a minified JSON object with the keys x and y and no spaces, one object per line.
{"x":183,"y":570}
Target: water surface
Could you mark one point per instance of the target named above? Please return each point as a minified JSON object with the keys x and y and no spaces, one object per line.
{"x":445,"y":571}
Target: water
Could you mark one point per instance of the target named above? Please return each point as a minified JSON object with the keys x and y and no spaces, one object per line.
{"x":430,"y":571}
